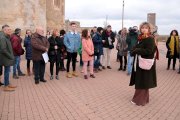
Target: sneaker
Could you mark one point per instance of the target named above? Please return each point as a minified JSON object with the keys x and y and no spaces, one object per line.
{"x":11,"y":86}
{"x":15,"y":77}
{"x":109,"y":67}
{"x":133,"y":102}
{"x":69,"y":75}
{"x":51,"y":77}
{"x":92,"y":76}
{"x":8,"y":89}
{"x":75,"y":74}
{"x":85,"y":77}
{"x":57,"y":77}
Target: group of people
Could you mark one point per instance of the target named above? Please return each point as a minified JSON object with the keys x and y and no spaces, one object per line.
{"x":94,"y":48}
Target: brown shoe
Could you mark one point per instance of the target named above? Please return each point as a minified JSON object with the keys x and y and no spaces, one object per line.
{"x":12,"y":86}
{"x":8,"y":89}
{"x":75,"y":74}
{"x":92,"y":76}
{"x":109,"y":67}
{"x":85,"y":77}
{"x":103,"y":67}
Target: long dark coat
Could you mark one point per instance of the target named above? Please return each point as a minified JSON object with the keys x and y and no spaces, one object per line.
{"x":28,"y":47}
{"x":144,"y":79}
{"x":52,"y":53}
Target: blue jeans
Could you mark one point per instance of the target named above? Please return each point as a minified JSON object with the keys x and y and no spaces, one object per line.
{"x":6,"y":75}
{"x":130,"y":62}
{"x":97,"y":61}
{"x":16,"y":65}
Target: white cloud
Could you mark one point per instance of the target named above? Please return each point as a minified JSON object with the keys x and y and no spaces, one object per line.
{"x":93,"y":12}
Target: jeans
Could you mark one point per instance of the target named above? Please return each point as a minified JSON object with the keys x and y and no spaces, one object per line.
{"x":97,"y":61}
{"x":130,"y":62}
{"x":6,"y":75}
{"x":17,"y":65}
{"x":39,"y":70}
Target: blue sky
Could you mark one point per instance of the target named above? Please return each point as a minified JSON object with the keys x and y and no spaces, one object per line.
{"x":94,"y":12}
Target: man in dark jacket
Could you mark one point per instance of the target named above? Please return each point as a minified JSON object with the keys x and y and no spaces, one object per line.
{"x":40,"y":45}
{"x":16,"y":41}
{"x":6,"y":55}
{"x":131,"y":41}
{"x":108,"y":38}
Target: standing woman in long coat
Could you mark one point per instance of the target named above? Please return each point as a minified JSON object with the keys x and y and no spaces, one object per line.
{"x":122,"y":49}
{"x":55,"y":52}
{"x":143,"y":79}
{"x":172,"y":45}
{"x":28,"y":47}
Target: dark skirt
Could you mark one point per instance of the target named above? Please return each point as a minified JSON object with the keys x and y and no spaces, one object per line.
{"x":141,"y":97}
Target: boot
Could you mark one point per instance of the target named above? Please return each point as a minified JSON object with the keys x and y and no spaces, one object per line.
{"x":28,"y":72}
{"x":120,"y":68}
{"x":69,"y":75}
{"x":74,"y":73}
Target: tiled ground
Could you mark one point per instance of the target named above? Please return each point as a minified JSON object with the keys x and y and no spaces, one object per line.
{"x":107,"y":97}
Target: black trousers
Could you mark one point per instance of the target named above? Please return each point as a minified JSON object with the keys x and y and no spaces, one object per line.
{"x":39,"y":70}
{"x":28,"y":63}
{"x":62,"y":64}
{"x":71,"y":57}
{"x":121,"y":61}
{"x":174,"y":62}
{"x":1,"y":70}
{"x":52,"y":67}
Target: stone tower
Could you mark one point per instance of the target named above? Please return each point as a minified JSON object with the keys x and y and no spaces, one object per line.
{"x":27,"y":14}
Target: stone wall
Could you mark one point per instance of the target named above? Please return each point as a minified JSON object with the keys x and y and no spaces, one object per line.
{"x":55,"y":14}
{"x":27,"y":14}
{"x":24,"y":14}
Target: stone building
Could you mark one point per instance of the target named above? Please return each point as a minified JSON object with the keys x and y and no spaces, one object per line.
{"x":27,"y":14}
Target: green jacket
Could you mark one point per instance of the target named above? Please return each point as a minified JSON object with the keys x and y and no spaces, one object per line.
{"x":6,"y":52}
{"x":144,"y":79}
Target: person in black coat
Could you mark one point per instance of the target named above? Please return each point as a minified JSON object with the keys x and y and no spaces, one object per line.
{"x":172,"y":45}
{"x":141,"y":78}
{"x":28,"y":48}
{"x":54,"y":53}
{"x":64,"y":52}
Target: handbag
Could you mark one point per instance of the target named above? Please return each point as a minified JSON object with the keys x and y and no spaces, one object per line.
{"x":145,"y":64}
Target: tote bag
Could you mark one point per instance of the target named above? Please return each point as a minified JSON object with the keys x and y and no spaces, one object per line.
{"x":145,"y":64}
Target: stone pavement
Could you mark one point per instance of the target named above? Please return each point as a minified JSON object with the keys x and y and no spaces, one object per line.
{"x":107,"y":97}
